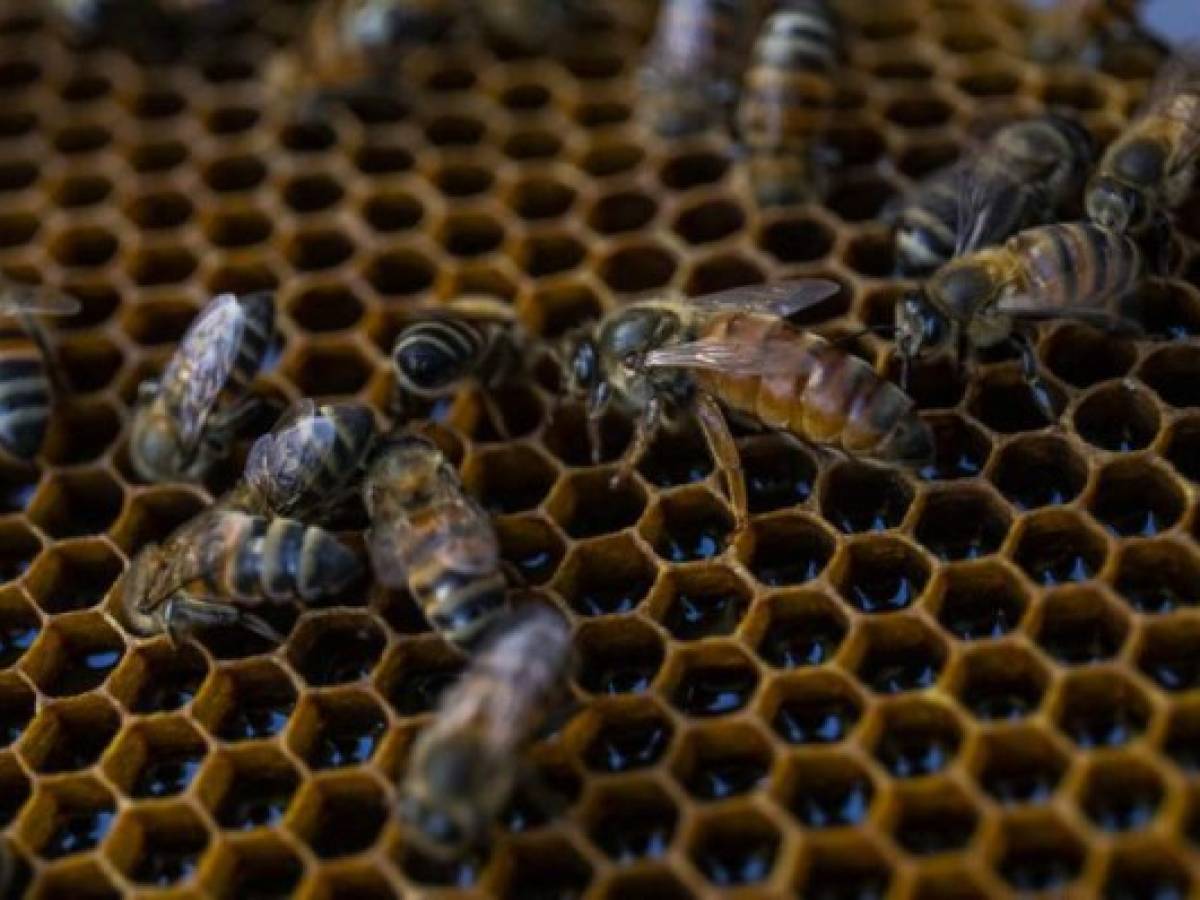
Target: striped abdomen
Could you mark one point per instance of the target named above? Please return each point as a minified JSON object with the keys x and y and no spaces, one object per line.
{"x":927,"y":224}
{"x":257,"y":331}
{"x":25,"y":398}
{"x":253,"y":559}
{"x":1075,"y":265}
{"x":816,"y":391}
{"x":431,"y":358}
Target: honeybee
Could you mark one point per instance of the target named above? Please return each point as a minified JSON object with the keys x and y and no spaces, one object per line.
{"x":1074,"y":270}
{"x":658,"y":358}
{"x":308,"y":461}
{"x":1149,"y":169}
{"x":1040,"y":162}
{"x":429,"y":537}
{"x":1069,"y":29}
{"x":236,"y":560}
{"x":475,"y":339}
{"x":28,"y":374}
{"x":186,"y":420}
{"x":527,"y":24}
{"x":464,"y":766}
{"x":689,"y":81}
{"x":786,"y":98}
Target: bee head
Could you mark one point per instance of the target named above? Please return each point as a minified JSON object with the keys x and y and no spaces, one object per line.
{"x":911,"y":443}
{"x":919,"y":326}
{"x":143,"y":592}
{"x":1114,"y":205}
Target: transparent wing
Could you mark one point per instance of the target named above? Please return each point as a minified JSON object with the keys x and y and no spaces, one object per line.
{"x":783,"y":298}
{"x":31,"y":298}
{"x":737,"y":358}
{"x":990,"y":206}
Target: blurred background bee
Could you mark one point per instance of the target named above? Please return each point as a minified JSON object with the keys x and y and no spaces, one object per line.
{"x":474,"y":341}
{"x":429,"y":537}
{"x":659,"y":359}
{"x":232,"y":560}
{"x":689,"y":81}
{"x":186,"y":420}
{"x":1041,"y":163}
{"x":29,"y":379}
{"x":465,"y":764}
{"x":529,"y":25}
{"x":1148,"y":171}
{"x":308,"y":462}
{"x":786,"y":99}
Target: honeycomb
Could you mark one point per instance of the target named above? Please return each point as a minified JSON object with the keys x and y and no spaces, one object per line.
{"x":973,"y":680}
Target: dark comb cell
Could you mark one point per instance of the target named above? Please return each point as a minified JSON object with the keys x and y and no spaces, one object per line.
{"x":622,"y":746}
{"x":77,"y":832}
{"x":715,"y":690}
{"x":165,"y":775}
{"x":816,"y":720}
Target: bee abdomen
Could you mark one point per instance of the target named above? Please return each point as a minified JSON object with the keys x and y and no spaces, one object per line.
{"x":258,"y":328}
{"x":1077,"y":264}
{"x":430,"y":357}
{"x":462,"y":606}
{"x":25,"y":400}
{"x":925,"y":231}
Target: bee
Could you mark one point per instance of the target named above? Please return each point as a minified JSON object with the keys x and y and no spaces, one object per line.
{"x":476,"y":339}
{"x":28,"y":374}
{"x":786,"y":98}
{"x":1074,"y":270}
{"x":1149,"y":169}
{"x":464,"y":766}
{"x":689,"y":81}
{"x":233,"y":560}
{"x":308,"y":461}
{"x":429,"y":537}
{"x":1070,"y":29}
{"x":186,"y":420}
{"x":527,"y":24}
{"x":1041,"y":163}
{"x":658,"y":358}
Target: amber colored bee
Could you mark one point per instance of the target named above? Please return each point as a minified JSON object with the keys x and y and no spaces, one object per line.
{"x":689,"y":81}
{"x":1150,"y":167}
{"x":786,"y":97}
{"x":429,"y":537}
{"x":214,"y":566}
{"x":187,"y":419}
{"x":1034,"y":169}
{"x":658,"y":358}
{"x":464,"y":766}
{"x":1069,"y":29}
{"x":1075,"y":271}
{"x":28,"y":379}
{"x":474,"y":340}
{"x":309,"y":460}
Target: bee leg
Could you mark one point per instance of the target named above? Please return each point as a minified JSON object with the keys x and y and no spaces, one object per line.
{"x":492,"y":410}
{"x":726,"y":456}
{"x":644,"y":431}
{"x":183,"y":614}
{"x":1033,"y":377}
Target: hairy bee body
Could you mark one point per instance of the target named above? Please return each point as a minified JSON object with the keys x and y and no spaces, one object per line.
{"x":186,"y":420}
{"x":309,"y":459}
{"x":1039,"y":163}
{"x":427,"y":536}
{"x":786,"y":96}
{"x":432,"y":358}
{"x":690,"y":78}
{"x":464,"y":766}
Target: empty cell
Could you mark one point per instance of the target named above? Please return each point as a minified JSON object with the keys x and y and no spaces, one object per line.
{"x":233,"y":174}
{"x":381,"y":159}
{"x":1158,"y":577}
{"x":1117,"y":418}
{"x":796,"y":240}
{"x":619,"y":656}
{"x":901,"y":655}
{"x":345,"y":730}
{"x":74,"y":576}
{"x":400,"y":272}
{"x":722,"y":760}
{"x":233,"y":229}
{"x":1004,"y":402}
{"x":15,"y":789}
{"x":587,"y":504}
{"x":469,"y":235}
{"x":637,"y":267}
{"x":1101,"y":709}
{"x":882,"y":575}
{"x":509,"y":480}
{"x":787,"y":550}
{"x":605,"y":578}
{"x":1002,"y":683}
{"x":1039,"y":855}
{"x":701,"y":603}
{"x":1171,"y":308}
{"x":735,"y":850}
{"x":710,"y":221}
{"x":778,"y":473}
{"x":1039,"y":471}
{"x":157,"y":156}
{"x":1079,"y":627}
{"x":531,"y":545}
{"x":161,"y":265}
{"x":249,"y":790}
{"x":326,"y":307}
{"x":860,"y":199}
{"x":159,"y":211}
{"x":347,"y":819}
{"x":816,"y":710}
{"x":550,"y":868}
{"x":254,"y":702}
{"x":77,"y":191}
{"x":859,"y":497}
{"x":19,"y":546}
{"x":917,"y":738}
{"x":79,"y":139}
{"x":688,"y":526}
{"x":1183,"y":448}
{"x":261,"y":868}
{"x":829,"y":791}
{"x":1136,"y":499}
{"x":312,"y":193}
{"x":648,"y":883}
{"x":550,"y":254}
{"x":990,"y":82}
{"x":80,"y":433}
{"x":722,"y":273}
{"x":425,"y":869}
{"x":536,"y":143}
{"x":631,"y":823}
{"x":631,"y":739}
{"x":329,"y":369}
{"x":454,"y":130}
{"x":1151,"y":871}
{"x":620,"y":212}
{"x":160,"y":848}
{"x":980,"y":602}
{"x":72,"y":736}
{"x":848,"y":869}
{"x":417,"y":676}
{"x":77,"y":656}
{"x":1020,"y":766}
{"x":227,"y":120}
{"x":693,"y":169}
{"x":1059,"y":548}
{"x":390,"y":211}
{"x":676,"y":459}
{"x":1170,"y":654}
{"x":16,"y":175}
{"x":1182,"y":742}
{"x":1083,"y":356}
{"x":312,"y":251}
{"x":79,"y":820}
{"x":82,"y":247}
{"x":801,"y":630}
{"x":159,"y":758}
{"x":1121,"y":794}
{"x":16,"y":712}
{"x":716,"y":683}
{"x":935,"y":821}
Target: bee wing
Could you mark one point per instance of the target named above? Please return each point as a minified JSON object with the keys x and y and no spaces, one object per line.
{"x":1030,"y":309}
{"x":771,"y":357}
{"x":986,"y":199}
{"x":31,"y":298}
{"x":782,"y":298}
{"x":1175,"y":94}
{"x":468,"y":544}
{"x":202,"y":364}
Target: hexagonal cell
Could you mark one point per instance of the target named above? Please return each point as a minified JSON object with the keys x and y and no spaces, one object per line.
{"x":336,"y":730}
{"x":1101,"y":709}
{"x":550,"y":254}
{"x":688,"y":525}
{"x":1172,"y":373}
{"x":335,"y":649}
{"x":330,"y":369}
{"x":71,"y":735}
{"x":980,"y":601}
{"x":71,"y":817}
{"x":422,"y":868}
{"x":516,"y":407}
{"x":1121,"y":794}
{"x":1168,"y":654}
{"x":159,"y":211}
{"x":1084,"y":356}
{"x":1039,"y":471}
{"x":778,"y":473}
{"x":157,"y":758}
{"x":714,"y":681}
{"x":1117,"y":418}
{"x":340,"y":817}
{"x":18,"y":484}
{"x":550,"y":867}
{"x":258,"y":867}
{"x":563,"y":307}
{"x":17,"y":706}
{"x":711,"y":220}
{"x":1182,"y":740}
{"x":800,"y":630}
{"x":236,"y":173}
{"x":687,"y":170}
{"x":532,"y":546}
{"x":735,"y":849}
{"x":721,"y":760}
{"x":622,"y":211}
{"x":846,"y":868}
{"x":958,"y":525}
{"x":618,"y":656}
{"x":961,"y":450}
{"x":154,"y":514}
{"x":870,"y":254}
{"x":1079,"y":627}
{"x":73,"y":576}
{"x":860,"y":497}
{"x":566,"y":436}
{"x":637,"y":267}
{"x":88,"y":362}
{"x":1040,"y":854}
{"x":79,"y":248}
{"x":19,"y":627}
{"x":536,"y":198}
{"x":1002,"y":683}
{"x":1057,"y":547}
{"x":1020,"y":765}
{"x":722,"y":273}
{"x":250,"y":787}
{"x":704,"y":602}
{"x":900,"y":655}
{"x":159,"y":847}
{"x":881,"y":575}
{"x":159,"y":678}
{"x":509,"y":479}
{"x":625,"y":738}
{"x":934,"y":819}
{"x":1158,"y":577}
{"x":311,"y":192}
{"x":828,"y":791}
{"x":814,"y":708}
{"x":246,"y":702}
{"x":156,"y":156}
{"x":1146,"y":871}
{"x":78,"y":502}
{"x":75,"y":656}
{"x":1183,"y":448}
{"x":1134,"y":498}
{"x":319,"y":249}
{"x":414,"y":677}
{"x":400,"y":272}
{"x":468,"y":235}
{"x":325,"y":308}
{"x":676,"y":459}
{"x":787,"y":549}
{"x":80,"y":433}
{"x":1004,"y":403}
{"x":390,"y":211}
{"x":605,"y":577}
{"x":630,"y":822}
{"x":795,"y":240}
{"x":586,"y":504}
{"x":917,"y":738}
{"x":537,"y":143}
